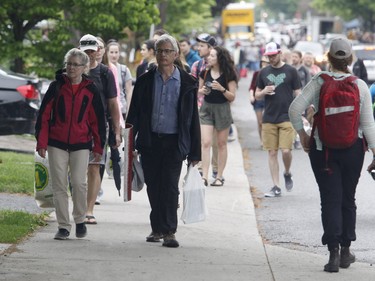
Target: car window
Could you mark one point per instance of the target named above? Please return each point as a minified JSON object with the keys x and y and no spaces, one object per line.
{"x":365,"y":54}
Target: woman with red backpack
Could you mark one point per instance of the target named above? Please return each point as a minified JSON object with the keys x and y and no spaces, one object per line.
{"x":338,"y":99}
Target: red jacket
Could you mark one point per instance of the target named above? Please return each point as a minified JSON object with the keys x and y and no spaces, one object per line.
{"x":71,"y":122}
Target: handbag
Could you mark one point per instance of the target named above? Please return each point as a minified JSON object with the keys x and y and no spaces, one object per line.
{"x":138,"y":180}
{"x":194,"y":208}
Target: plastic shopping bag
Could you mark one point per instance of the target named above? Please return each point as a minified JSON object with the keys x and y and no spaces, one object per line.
{"x":138,"y":176}
{"x":194,"y":209}
{"x":43,"y":184}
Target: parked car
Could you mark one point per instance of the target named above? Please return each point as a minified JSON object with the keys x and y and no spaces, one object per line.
{"x":367,"y":54}
{"x":19,"y":102}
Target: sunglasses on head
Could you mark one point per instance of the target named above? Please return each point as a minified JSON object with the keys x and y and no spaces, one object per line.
{"x":88,"y":43}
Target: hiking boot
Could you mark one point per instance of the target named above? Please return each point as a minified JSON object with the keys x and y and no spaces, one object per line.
{"x":153,"y":237}
{"x":170,"y":241}
{"x":346,"y":257}
{"x":288,"y":181}
{"x":81,"y":230}
{"x":334,"y":260}
{"x":274,"y":192}
{"x":62,"y":234}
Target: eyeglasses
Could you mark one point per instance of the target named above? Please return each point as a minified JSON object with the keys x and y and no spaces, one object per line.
{"x":88,"y":43}
{"x":164,"y":51}
{"x":73,"y":64}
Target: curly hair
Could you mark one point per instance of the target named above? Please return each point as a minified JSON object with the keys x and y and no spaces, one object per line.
{"x":340,"y":64}
{"x":226,"y":63}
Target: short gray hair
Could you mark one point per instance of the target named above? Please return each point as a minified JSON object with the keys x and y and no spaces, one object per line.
{"x":75,"y":52}
{"x":166,"y":38}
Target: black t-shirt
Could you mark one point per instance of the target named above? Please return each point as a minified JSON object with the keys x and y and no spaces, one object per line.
{"x":286,"y":80}
{"x":215,"y":96}
{"x":110,"y":85}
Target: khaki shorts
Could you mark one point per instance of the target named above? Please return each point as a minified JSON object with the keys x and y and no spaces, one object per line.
{"x":218,"y":115}
{"x":277,"y":136}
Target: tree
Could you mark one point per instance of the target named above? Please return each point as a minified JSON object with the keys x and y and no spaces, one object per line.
{"x":287,"y":7}
{"x":22,"y":42}
{"x":184,"y":17}
{"x":348,"y":9}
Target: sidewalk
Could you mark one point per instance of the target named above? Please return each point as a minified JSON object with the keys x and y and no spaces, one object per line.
{"x":227,"y":246}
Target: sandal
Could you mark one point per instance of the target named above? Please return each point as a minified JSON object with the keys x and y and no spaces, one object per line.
{"x":205,"y":182}
{"x":218,"y":182}
{"x":90,"y":220}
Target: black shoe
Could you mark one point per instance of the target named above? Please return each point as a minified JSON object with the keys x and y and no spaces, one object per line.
{"x":334,"y":260}
{"x":62,"y":234}
{"x":170,"y":241}
{"x":81,"y":230}
{"x":153,"y":237}
{"x":346,"y":257}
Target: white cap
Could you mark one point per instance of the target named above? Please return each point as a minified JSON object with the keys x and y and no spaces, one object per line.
{"x":88,"y":42}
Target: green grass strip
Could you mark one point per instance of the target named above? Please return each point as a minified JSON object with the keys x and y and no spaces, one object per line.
{"x":15,"y":225}
{"x":17,"y":171}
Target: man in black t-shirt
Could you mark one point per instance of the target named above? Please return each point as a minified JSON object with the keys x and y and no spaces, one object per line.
{"x":278,"y":84}
{"x":105,"y":81}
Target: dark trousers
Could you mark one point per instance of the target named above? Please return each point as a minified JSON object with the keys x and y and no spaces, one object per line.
{"x":337,"y":179}
{"x":162,"y":168}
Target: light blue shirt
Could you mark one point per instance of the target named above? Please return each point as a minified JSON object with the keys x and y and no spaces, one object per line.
{"x":165,"y":103}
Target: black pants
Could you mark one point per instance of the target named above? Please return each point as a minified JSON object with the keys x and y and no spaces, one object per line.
{"x":337,"y":186}
{"x":162,"y":168}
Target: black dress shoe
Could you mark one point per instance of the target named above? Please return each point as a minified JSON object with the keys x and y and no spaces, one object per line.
{"x":153,"y":237}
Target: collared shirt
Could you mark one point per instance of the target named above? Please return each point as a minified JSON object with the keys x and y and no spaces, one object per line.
{"x":165,"y":103}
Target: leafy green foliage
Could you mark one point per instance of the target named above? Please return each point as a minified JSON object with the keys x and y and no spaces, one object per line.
{"x":17,"y":173}
{"x":21,"y":42}
{"x":15,"y":225}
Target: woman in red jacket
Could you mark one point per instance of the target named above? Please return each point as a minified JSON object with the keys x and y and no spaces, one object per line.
{"x":70,"y":123}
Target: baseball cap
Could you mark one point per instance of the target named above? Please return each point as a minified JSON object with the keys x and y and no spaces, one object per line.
{"x":340,"y":48}
{"x":88,"y":42}
{"x":207,"y":38}
{"x":272,"y":48}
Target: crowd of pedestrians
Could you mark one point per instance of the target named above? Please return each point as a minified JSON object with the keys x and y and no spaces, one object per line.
{"x":180,"y":110}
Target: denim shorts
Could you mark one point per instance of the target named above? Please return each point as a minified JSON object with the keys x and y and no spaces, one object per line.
{"x":218,"y":115}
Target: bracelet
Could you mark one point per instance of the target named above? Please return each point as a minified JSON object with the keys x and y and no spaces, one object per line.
{"x":226,"y":90}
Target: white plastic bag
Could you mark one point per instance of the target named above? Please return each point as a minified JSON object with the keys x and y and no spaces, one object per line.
{"x":194,"y":209}
{"x":43,"y":184}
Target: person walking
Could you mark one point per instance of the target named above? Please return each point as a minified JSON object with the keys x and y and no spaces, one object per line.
{"x":125,"y":78}
{"x":164,"y":115}
{"x":337,"y":175}
{"x":278,"y":84}
{"x":191,"y":55}
{"x":303,"y":72}
{"x":70,"y":124}
{"x":105,"y":81}
{"x":258,"y":105}
{"x":218,"y":85}
{"x":148,"y":56}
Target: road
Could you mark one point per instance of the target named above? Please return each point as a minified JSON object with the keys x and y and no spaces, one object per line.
{"x":293,"y":220}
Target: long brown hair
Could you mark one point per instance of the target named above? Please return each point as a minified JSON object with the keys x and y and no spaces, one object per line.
{"x":226,"y":64}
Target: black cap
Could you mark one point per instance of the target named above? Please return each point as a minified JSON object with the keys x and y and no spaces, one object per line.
{"x":207,"y":38}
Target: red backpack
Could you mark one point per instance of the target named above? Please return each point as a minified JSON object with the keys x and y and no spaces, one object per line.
{"x":337,"y":119}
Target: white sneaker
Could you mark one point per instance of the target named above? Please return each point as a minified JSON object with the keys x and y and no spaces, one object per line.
{"x":274,"y":192}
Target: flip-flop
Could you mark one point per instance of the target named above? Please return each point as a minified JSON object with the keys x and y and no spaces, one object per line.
{"x":217,"y":182}
{"x":90,"y":220}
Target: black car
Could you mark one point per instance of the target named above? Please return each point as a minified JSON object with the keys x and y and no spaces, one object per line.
{"x":19,"y":102}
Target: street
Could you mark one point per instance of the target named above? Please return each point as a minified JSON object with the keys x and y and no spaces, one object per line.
{"x":293,"y":220}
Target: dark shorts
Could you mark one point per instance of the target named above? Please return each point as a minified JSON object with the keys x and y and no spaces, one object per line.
{"x":218,"y":115}
{"x":258,"y":105}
